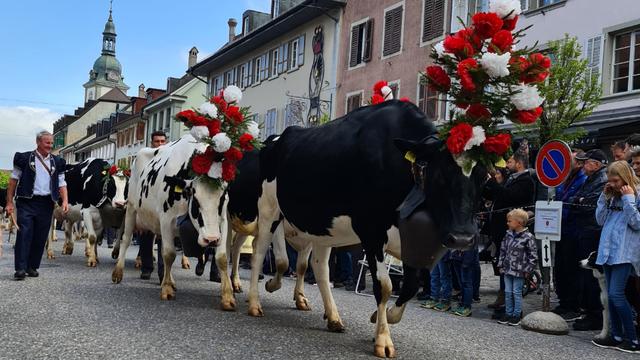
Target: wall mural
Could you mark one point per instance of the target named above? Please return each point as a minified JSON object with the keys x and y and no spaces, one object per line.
{"x":316,"y":78}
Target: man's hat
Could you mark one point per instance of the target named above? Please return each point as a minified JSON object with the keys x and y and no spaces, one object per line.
{"x":595,"y":154}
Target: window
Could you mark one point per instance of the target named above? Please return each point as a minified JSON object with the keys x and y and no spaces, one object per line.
{"x":432,"y":19}
{"x":243,"y":76}
{"x":270,"y":122}
{"x":274,"y":62}
{"x":276,"y":8}
{"x":245,"y":25}
{"x":361,"y":37}
{"x":542,"y":3}
{"x":167,"y":119}
{"x":160,"y":118}
{"x":230,"y":77}
{"x":294,"y":54}
{"x":524,"y":5}
{"x":354,"y":101}
{"x":392,"y":39}
{"x":428,"y":102}
{"x":626,"y":62}
{"x":283,"y":58}
{"x":258,"y":67}
{"x":464,"y":9}
{"x":155,"y":122}
{"x":592,"y":54}
{"x":140,"y":131}
{"x":218,"y":84}
{"x":264,"y":69}
{"x":395,"y":88}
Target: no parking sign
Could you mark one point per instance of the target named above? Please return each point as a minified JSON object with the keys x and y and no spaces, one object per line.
{"x":553,"y":163}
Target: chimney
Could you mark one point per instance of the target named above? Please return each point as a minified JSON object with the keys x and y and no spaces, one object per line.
{"x":232,"y":28}
{"x":193,"y":57}
{"x":141,"y":93}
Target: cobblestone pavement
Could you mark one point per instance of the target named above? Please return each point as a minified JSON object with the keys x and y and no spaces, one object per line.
{"x":75,"y":312}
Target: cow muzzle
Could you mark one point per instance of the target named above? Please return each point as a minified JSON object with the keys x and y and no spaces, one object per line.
{"x":210,"y":240}
{"x":119,"y":204}
{"x":459,"y":241}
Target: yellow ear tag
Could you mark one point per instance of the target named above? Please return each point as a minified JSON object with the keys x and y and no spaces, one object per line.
{"x":177,"y":189}
{"x":104,"y":173}
{"x":409,"y":155}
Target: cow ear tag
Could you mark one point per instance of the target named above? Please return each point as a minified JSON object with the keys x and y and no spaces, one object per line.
{"x":177,"y":189}
{"x":409,"y":155}
{"x":104,"y":173}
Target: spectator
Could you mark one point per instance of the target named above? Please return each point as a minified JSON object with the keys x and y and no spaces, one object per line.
{"x":635,"y":161}
{"x":566,"y":256}
{"x":440,"y":286}
{"x":633,"y":141}
{"x":587,"y":234}
{"x":619,"y":252}
{"x":618,"y":150}
{"x":518,"y":257}
{"x":516,"y":191}
{"x":464,"y":265}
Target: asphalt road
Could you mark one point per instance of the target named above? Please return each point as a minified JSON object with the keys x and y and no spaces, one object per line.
{"x":75,"y":312}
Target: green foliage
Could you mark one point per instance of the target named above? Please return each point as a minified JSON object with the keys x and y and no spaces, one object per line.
{"x":4,"y":180}
{"x":571,"y":94}
{"x":324,"y":118}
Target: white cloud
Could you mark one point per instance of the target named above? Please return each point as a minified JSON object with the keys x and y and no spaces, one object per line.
{"x":18,"y":128}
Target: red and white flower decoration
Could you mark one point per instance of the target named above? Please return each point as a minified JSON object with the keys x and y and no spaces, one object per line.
{"x":220,"y":126}
{"x":479,"y":69}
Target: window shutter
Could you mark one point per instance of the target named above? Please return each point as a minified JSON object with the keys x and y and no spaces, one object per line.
{"x":393,"y":31}
{"x":285,"y":56}
{"x":301,"y":50}
{"x":249,"y":73}
{"x":353,"y":60}
{"x":280,"y":59}
{"x":267,"y":65}
{"x":368,"y":38}
{"x":433,"y":19}
{"x":592,"y":55}
{"x":460,"y":10}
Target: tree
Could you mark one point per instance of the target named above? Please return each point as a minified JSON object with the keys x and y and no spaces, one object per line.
{"x":4,"y":179}
{"x":572,"y":92}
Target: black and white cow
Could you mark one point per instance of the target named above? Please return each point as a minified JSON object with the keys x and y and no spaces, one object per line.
{"x":343,"y":182}
{"x":96,"y":197}
{"x":161,"y":189}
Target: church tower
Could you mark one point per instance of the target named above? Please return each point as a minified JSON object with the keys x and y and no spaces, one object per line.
{"x":107,"y":71}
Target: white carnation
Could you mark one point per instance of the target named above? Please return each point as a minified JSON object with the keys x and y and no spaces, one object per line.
{"x":201,"y":147}
{"x":221,"y":142}
{"x":439,"y":48}
{"x":253,"y":129}
{"x":526,"y":97}
{"x":505,"y":7}
{"x":199,"y":132}
{"x":232,"y":94}
{"x":387,"y":93}
{"x":215,"y":171}
{"x":477,"y":138}
{"x":208,"y":109}
{"x":495,"y":65}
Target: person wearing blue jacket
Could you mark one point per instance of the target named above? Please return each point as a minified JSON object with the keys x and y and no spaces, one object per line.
{"x":619,"y":251}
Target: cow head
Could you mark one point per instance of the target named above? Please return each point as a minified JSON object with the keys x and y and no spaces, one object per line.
{"x":450,"y":197}
{"x":207,"y":209}
{"x":117,"y":188}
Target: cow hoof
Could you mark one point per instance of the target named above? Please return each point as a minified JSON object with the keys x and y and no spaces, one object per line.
{"x":67,"y":250}
{"x":302,"y":303}
{"x":256,"y":311}
{"x":229,"y":305}
{"x":272,"y":285}
{"x":335,"y":326}
{"x":92,"y":263}
{"x":138,"y":263}
{"x":186,"y":264}
{"x":50,"y":255}
{"x":115,"y":253}
{"x":116,"y":275}
{"x":237,"y":288}
{"x":168,"y":293}
{"x":384,"y":351}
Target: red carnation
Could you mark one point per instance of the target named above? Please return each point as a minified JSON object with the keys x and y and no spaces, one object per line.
{"x":219,"y":102}
{"x":478,"y":112}
{"x":213,"y":126}
{"x":185,"y":115}
{"x":486,"y":25}
{"x":438,"y":79}
{"x":461,"y":104}
{"x":509,"y":24}
{"x":113,"y":169}
{"x":471,"y":37}
{"x":228,"y":171}
{"x":465,"y":76}
{"x":201,"y":163}
{"x":376,"y":99}
{"x":198,"y":120}
{"x":459,"y":135}
{"x":539,"y":60}
{"x":377,"y":87}
{"x":518,"y":64}
{"x":501,"y":42}
{"x":233,"y":113}
{"x":233,"y":155}
{"x":245,"y":142}
{"x":127,"y":173}
{"x":497,"y":144}
{"x":526,"y":116}
{"x":458,"y":46}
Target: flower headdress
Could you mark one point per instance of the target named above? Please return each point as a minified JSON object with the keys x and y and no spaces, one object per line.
{"x":382,"y":92}
{"x":110,"y":170}
{"x":488,"y":80}
{"x":220,"y":126}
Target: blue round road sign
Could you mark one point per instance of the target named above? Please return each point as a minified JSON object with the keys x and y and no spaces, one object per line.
{"x":553,"y":163}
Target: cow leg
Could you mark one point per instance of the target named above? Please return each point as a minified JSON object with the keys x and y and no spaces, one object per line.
{"x":67,"y":247}
{"x":129,"y":225}
{"x":52,"y":238}
{"x":320,"y":264}
{"x":235,"y":257}
{"x":409,"y":290}
{"x":382,"y":291}
{"x":228,"y":302}
{"x":116,"y":246}
{"x":302,"y":303}
{"x":282,"y":261}
{"x":87,"y":216}
{"x":168,"y":285}
{"x":185,"y":262}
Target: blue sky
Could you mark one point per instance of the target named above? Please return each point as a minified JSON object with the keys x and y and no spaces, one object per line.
{"x":48,"y":47}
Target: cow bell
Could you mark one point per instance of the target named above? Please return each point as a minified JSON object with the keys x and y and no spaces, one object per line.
{"x":420,"y":242}
{"x":189,"y":237}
